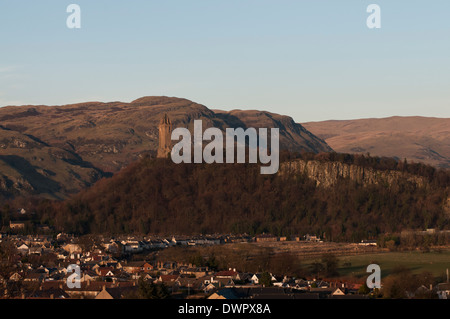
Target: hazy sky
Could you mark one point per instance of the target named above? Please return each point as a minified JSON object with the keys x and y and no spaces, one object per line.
{"x":310,"y":59}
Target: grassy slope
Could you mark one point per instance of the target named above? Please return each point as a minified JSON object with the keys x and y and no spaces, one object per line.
{"x":417,"y":262}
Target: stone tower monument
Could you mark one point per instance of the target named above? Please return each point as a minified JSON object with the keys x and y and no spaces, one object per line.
{"x":165,"y":142}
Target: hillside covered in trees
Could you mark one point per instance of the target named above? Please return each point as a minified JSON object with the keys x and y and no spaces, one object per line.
{"x":159,"y":197}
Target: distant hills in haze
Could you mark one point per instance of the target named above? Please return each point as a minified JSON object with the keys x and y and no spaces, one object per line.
{"x":418,"y":139}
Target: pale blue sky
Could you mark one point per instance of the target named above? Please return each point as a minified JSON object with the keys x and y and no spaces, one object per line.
{"x":310,"y":59}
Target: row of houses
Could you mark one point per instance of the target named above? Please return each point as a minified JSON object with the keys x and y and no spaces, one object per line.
{"x":131,"y":244}
{"x":105,"y":279}
{"x":42,"y":244}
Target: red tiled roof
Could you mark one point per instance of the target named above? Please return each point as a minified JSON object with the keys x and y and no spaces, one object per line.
{"x":104,"y":270}
{"x":166,"y":278}
{"x":226,"y":273}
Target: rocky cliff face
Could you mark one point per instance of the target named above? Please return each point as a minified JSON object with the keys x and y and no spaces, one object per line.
{"x":327,"y":174}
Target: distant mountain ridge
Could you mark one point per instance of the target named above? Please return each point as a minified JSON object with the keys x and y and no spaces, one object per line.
{"x":66,"y":148}
{"x":418,"y":139}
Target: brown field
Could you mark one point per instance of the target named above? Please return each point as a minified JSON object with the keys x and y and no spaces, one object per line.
{"x":312,"y":250}
{"x":354,"y":258}
{"x":297,"y":258}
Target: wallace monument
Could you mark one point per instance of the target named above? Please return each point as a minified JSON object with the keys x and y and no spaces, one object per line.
{"x":165,"y":142}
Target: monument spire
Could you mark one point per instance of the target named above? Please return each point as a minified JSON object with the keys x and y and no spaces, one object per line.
{"x":165,"y":132}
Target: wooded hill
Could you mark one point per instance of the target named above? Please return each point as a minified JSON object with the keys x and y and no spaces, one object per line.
{"x":159,"y":197}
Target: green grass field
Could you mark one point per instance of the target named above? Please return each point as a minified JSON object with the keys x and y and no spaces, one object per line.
{"x":417,"y":262}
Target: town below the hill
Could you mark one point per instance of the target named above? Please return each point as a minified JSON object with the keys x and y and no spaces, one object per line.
{"x":42,"y":267}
